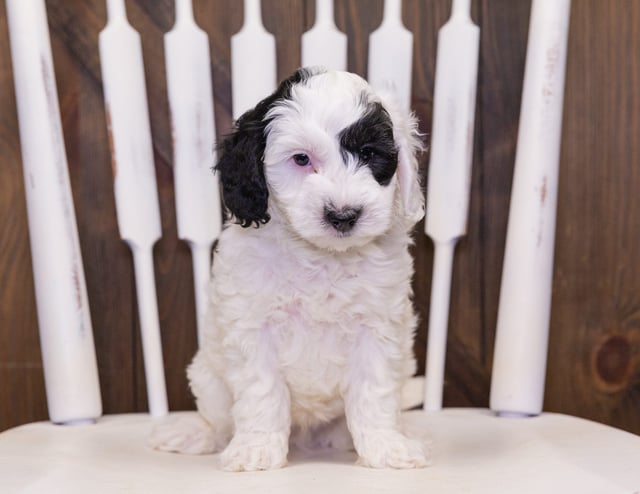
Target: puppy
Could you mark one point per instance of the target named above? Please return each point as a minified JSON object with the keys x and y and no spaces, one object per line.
{"x":310,"y":331}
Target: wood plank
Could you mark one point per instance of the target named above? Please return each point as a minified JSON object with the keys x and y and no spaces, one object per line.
{"x":285,"y":19}
{"x":220,"y":19}
{"x":594,"y":359}
{"x":358,"y":19}
{"x":503,"y":43}
{"x":424,"y":24}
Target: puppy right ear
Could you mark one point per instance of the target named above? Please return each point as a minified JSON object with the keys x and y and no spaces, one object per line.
{"x":241,"y":164}
{"x":241,"y":169}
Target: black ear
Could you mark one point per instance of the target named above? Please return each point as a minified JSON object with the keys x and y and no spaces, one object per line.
{"x":241,"y":169}
{"x":241,"y":165}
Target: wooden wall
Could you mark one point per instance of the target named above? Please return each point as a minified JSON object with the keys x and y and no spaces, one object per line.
{"x":594,"y":357}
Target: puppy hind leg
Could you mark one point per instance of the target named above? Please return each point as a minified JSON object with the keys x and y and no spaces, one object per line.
{"x":187,"y":434}
{"x":210,"y":430}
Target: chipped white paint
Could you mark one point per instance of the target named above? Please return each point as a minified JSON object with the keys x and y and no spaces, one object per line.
{"x":134,"y":180}
{"x":198,"y":210}
{"x":449,"y":176}
{"x":520,"y":353}
{"x":324,"y":44}
{"x":66,"y":336}
{"x":253,"y":61}
{"x":391,"y":53}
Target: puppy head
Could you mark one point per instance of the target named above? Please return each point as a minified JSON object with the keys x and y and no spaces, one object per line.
{"x":333,"y":159}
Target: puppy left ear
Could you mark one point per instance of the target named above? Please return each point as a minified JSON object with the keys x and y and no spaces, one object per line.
{"x":409,"y":177}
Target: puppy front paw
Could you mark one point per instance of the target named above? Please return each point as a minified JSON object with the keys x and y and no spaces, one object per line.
{"x":391,"y":449}
{"x":251,"y":451}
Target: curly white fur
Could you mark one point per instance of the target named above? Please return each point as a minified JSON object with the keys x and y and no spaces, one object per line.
{"x":309,"y":325}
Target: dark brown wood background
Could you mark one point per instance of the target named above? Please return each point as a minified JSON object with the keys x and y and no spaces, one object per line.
{"x":594,"y":356}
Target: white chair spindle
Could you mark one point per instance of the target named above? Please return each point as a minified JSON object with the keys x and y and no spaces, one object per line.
{"x":391,"y":53}
{"x":135,"y":187}
{"x":198,"y":210}
{"x":520,"y":353}
{"x":253,"y":61}
{"x":324,"y":44}
{"x":66,"y":335}
{"x":449,"y":176}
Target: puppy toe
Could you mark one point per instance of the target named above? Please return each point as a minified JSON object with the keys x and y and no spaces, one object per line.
{"x":391,"y":449}
{"x":189,"y":435}
{"x":255,"y":451}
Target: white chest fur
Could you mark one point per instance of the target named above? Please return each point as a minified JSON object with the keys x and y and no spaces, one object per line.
{"x":310,"y":307}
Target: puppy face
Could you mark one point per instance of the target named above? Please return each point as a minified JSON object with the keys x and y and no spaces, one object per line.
{"x":328,"y":156}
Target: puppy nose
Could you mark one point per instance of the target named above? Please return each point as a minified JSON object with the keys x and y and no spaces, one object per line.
{"x":342,"y":220}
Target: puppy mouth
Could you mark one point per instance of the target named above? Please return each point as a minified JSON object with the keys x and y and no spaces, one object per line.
{"x":335,"y":229}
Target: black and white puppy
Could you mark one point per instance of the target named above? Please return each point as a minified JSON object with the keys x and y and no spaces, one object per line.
{"x":311,"y":319}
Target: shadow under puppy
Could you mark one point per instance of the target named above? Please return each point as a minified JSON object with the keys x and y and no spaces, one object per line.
{"x":310,"y":330}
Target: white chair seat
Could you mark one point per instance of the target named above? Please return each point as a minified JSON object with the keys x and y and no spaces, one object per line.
{"x":474,"y":451}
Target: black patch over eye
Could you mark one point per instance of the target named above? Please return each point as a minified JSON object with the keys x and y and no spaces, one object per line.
{"x":370,"y":140}
{"x":301,"y":159}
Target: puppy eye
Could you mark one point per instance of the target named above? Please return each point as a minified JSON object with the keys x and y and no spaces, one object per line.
{"x":301,"y":159}
{"x":366,"y":153}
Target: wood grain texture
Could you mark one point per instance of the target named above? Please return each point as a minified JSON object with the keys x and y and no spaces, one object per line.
{"x":594,"y":364}
{"x":594,"y":357}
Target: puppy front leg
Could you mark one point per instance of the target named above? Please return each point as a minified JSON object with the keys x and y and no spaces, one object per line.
{"x":372,"y":408}
{"x":261,"y":413}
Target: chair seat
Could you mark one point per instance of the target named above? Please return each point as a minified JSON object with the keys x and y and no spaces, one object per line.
{"x":474,"y":451}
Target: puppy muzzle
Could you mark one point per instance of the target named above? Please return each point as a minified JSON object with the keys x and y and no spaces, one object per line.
{"x":342,"y":220}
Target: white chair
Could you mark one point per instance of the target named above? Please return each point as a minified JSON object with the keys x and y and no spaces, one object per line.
{"x":474,"y":450}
